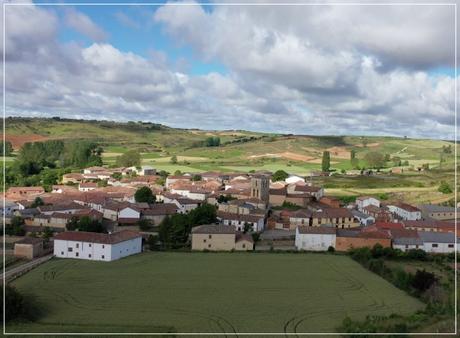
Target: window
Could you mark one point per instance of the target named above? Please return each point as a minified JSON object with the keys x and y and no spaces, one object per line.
{"x":89,"y":245}
{"x":204,"y":240}
{"x":103,"y":246}
{"x":434,"y":245}
{"x":244,"y":246}
{"x":209,"y":245}
{"x":210,"y":236}
{"x":89,"y":256}
{"x":450,"y":246}
{"x":62,"y":252}
{"x":76,"y":254}
{"x":103,"y":256}
{"x":69,"y":249}
{"x":77,"y":245}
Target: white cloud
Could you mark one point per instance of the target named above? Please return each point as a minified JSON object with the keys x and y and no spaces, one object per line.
{"x":294,"y":70}
{"x":84,"y":25}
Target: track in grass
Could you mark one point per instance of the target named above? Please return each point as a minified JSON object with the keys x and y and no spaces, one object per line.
{"x":226,"y":293}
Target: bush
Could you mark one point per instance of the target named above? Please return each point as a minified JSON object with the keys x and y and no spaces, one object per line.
{"x":423,"y":280}
{"x":445,"y":188}
{"x":18,"y":307}
{"x":416,"y":254}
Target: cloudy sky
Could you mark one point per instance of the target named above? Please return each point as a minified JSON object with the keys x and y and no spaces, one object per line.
{"x":321,"y":69}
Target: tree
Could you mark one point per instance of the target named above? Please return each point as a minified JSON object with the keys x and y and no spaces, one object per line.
{"x":387,"y":157}
{"x":15,"y":228}
{"x":144,"y":195}
{"x":326,"y":162}
{"x":375,"y":159}
{"x":7,"y":147}
{"x":152,"y":242}
{"x":47,"y":234}
{"x":445,"y":188}
{"x":247,"y":227}
{"x":85,"y":223}
{"x":423,"y":280}
{"x":173,"y":159}
{"x":37,"y":202}
{"x":212,"y":141}
{"x":352,"y":154}
{"x":144,"y":224}
{"x":279,"y":175}
{"x":177,"y":173}
{"x":196,"y":177}
{"x":129,"y":159}
{"x":18,"y":306}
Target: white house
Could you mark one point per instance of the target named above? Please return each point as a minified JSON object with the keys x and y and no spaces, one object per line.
{"x":364,"y":219}
{"x":438,"y":242}
{"x":364,"y":201}
{"x":406,"y":211}
{"x":97,"y":247}
{"x":407,"y":243}
{"x":257,"y":222}
{"x":315,"y":238}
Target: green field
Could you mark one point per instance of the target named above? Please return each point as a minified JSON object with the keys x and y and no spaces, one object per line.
{"x":206,"y":292}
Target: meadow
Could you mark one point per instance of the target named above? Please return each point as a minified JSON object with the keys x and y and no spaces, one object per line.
{"x":207,"y":292}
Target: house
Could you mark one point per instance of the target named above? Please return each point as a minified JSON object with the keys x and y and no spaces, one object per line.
{"x":29,"y":247}
{"x":219,"y":238}
{"x":244,"y":242}
{"x":330,"y":201}
{"x":143,"y":170}
{"x":94,"y":170}
{"x":364,"y":219}
{"x":405,"y":211}
{"x":437,"y":242}
{"x":213,"y":238}
{"x":157,"y":212}
{"x":175,"y":178}
{"x":430,"y":225}
{"x":18,"y":193}
{"x":184,"y":204}
{"x":405,"y":240}
{"x":310,"y":190}
{"x":340,"y":217}
{"x":87,"y":186}
{"x":439,"y":212}
{"x":73,"y":178}
{"x":129,"y":214}
{"x":347,"y":239}
{"x":315,"y":238}
{"x":8,"y":208}
{"x":238,"y":221}
{"x":97,"y":246}
{"x":60,"y":189}
{"x":364,"y":201}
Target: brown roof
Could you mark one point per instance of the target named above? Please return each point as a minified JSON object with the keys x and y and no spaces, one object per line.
{"x":94,"y":237}
{"x":307,"y":188}
{"x":406,"y":207}
{"x":281,"y":191}
{"x":317,"y":230}
{"x":160,"y":209}
{"x":30,"y":240}
{"x":214,"y":229}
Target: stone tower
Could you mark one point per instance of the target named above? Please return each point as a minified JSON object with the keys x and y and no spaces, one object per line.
{"x":260,"y":185}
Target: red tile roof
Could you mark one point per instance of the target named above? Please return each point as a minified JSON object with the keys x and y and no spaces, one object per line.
{"x":94,"y":237}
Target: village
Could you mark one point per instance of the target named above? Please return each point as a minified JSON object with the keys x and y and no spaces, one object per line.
{"x":127,"y":206}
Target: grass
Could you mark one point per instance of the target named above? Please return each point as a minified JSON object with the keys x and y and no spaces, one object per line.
{"x":206,"y":292}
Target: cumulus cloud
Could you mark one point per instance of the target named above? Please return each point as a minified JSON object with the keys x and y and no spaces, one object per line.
{"x":309,"y":70}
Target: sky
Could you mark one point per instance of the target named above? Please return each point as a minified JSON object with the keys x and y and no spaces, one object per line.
{"x":322,"y":69}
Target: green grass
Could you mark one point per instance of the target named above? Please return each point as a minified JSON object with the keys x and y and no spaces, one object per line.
{"x":206,"y":292}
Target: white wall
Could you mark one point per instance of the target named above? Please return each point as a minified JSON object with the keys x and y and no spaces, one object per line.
{"x":366,"y":202}
{"x":97,"y":251}
{"x":129,"y":213}
{"x":314,"y":242}
{"x":441,"y":247}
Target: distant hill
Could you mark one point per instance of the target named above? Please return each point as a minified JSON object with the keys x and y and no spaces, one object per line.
{"x":238,"y":149}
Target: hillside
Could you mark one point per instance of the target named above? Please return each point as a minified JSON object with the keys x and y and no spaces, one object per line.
{"x":239,"y":150}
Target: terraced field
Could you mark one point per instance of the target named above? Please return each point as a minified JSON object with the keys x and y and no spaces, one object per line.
{"x":206,"y":292}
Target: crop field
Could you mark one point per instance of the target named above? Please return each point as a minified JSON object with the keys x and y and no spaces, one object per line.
{"x":207,"y":292}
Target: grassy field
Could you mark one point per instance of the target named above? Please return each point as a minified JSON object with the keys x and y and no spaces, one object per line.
{"x":205,"y":292}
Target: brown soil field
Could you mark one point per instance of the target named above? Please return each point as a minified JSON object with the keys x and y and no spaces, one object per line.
{"x":18,"y":140}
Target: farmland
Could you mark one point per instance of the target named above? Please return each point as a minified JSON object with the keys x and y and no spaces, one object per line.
{"x":244,"y":151}
{"x":205,"y":292}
